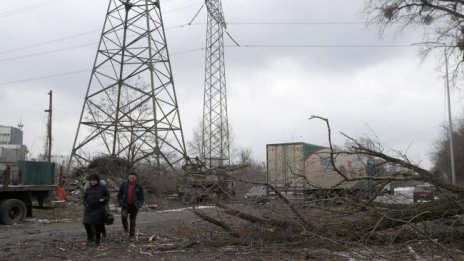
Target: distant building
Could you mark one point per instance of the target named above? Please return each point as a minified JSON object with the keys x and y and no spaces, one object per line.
{"x":11,"y":135}
{"x":11,"y":144}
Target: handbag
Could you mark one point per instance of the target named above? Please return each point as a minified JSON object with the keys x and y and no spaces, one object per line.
{"x":109,"y":218}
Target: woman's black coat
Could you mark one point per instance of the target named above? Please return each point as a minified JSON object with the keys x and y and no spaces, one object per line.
{"x":94,"y":209}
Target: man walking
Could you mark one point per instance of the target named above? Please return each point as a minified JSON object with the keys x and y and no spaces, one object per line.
{"x":130,"y":199}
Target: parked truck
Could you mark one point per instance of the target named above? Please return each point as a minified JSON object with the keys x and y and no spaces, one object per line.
{"x":22,"y":183}
{"x":307,"y":168}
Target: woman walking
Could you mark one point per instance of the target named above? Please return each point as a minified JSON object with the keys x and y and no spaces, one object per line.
{"x":96,"y":197}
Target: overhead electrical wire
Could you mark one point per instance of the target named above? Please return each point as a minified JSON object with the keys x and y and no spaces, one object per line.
{"x":44,"y":77}
{"x":46,"y":52}
{"x":82,"y":70}
{"x":296,"y":23}
{"x":289,"y":23}
{"x":241,"y":45}
{"x":228,"y":46}
{"x":48,"y":42}
{"x":323,"y":46}
{"x":174,"y":27}
{"x":47,"y":3}
{"x":51,"y":2}
{"x":200,"y":49}
{"x":29,"y":8}
{"x":56,"y":50}
{"x":182,"y":8}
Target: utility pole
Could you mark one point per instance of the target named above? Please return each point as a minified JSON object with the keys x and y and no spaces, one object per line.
{"x":450,"y":125}
{"x":130,"y":108}
{"x":215,"y":126}
{"x":450,"y":121}
{"x":48,"y":146}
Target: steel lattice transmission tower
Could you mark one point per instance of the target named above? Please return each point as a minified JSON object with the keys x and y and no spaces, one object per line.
{"x":130,"y":108}
{"x":215,"y":127}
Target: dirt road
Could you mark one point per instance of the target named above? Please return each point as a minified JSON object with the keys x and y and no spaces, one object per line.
{"x":173,"y":234}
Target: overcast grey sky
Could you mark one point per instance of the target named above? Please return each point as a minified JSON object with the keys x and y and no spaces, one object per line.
{"x":297,"y":58}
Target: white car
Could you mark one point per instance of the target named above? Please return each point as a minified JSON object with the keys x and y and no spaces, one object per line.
{"x":258,"y":193}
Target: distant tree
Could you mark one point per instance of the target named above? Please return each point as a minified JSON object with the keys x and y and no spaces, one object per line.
{"x":441,"y":155}
{"x":440,"y":20}
{"x":194,"y":146}
{"x":244,"y":156}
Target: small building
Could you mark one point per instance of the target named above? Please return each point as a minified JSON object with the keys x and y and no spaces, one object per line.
{"x":11,"y":135}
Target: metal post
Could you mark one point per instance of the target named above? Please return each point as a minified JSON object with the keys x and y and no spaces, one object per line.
{"x":450,"y":126}
{"x":49,"y":129}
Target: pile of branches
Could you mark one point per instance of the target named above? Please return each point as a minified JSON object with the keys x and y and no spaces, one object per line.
{"x":433,"y":229}
{"x":106,"y":167}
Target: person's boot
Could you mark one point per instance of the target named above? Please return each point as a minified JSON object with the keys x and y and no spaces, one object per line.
{"x":90,"y":239}
{"x":90,"y":235}
{"x":103,"y":231}
{"x":132,"y":231}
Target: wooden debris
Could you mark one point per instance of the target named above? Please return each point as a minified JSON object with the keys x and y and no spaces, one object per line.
{"x":254,"y":219}
{"x":216,"y":222}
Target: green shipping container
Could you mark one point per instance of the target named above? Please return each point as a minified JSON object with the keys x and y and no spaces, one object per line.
{"x":37,"y":172}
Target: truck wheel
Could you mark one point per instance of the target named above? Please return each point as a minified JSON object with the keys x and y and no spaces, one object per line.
{"x":12,"y":211}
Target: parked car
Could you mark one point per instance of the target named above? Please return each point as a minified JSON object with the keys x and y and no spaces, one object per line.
{"x":258,"y":194}
{"x":388,"y":189}
{"x":423,"y":192}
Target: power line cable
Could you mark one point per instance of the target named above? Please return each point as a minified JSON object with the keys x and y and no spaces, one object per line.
{"x":234,"y":46}
{"x":29,"y":8}
{"x":46,"y":52}
{"x":44,"y":77}
{"x":48,"y":42}
{"x":296,"y":23}
{"x":243,"y":45}
{"x":290,"y":23}
{"x":56,"y":50}
{"x":182,"y":8}
{"x":174,"y":27}
{"x":323,"y":46}
{"x":83,"y":70}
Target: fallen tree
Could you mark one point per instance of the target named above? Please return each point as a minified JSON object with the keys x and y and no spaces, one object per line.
{"x":361,"y":222}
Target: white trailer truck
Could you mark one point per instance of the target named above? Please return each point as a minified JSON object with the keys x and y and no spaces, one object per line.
{"x":307,"y":168}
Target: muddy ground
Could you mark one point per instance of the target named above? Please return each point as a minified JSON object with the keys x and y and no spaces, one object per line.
{"x":169,"y":232}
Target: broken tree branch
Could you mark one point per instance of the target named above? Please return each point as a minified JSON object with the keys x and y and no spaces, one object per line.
{"x":216,"y":222}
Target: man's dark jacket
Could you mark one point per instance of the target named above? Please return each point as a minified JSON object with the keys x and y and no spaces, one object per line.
{"x":138,"y":195}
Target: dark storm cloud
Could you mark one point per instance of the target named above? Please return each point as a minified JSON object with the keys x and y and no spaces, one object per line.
{"x":272,"y":86}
